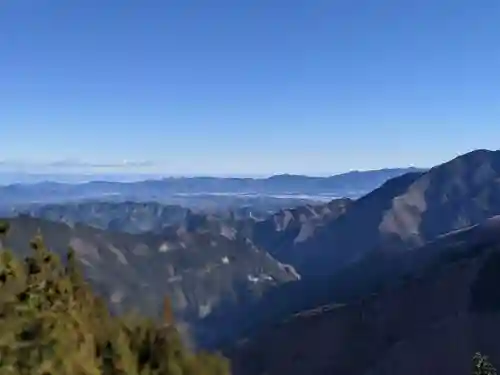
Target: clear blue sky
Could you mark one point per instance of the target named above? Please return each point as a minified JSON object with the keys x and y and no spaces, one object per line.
{"x":249,"y":86}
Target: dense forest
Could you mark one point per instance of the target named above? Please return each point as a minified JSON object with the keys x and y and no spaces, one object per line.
{"x":51,"y":323}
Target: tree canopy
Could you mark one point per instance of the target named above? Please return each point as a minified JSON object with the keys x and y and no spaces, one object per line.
{"x":51,"y":323}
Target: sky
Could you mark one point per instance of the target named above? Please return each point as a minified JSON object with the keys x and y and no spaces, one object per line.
{"x":248,"y":86}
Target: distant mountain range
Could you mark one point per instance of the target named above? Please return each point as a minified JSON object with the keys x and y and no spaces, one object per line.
{"x":172,"y":190}
{"x":10,"y":176}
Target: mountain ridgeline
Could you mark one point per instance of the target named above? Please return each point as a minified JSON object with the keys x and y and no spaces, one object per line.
{"x":375,"y":241}
{"x":406,"y":212}
{"x":209,"y":193}
{"x":388,"y":283}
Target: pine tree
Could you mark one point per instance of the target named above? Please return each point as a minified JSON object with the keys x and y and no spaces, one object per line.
{"x":482,"y":366}
{"x":52,"y":323}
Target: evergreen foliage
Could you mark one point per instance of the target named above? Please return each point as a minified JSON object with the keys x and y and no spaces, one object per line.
{"x":52,"y":324}
{"x":482,"y":366}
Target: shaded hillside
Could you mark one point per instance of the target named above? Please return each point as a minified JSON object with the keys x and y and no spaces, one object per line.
{"x":432,"y":321}
{"x":405,"y":212}
{"x":370,"y":274}
{"x":199,"y":270}
{"x":286,"y":228}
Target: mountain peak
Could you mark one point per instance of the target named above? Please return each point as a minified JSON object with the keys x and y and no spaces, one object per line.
{"x":475,"y":156}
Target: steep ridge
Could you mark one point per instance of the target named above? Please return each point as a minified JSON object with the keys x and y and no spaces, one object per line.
{"x":370,"y":244}
{"x":199,"y":270}
{"x":405,"y":213}
{"x":430,"y":322}
{"x":285,"y":229}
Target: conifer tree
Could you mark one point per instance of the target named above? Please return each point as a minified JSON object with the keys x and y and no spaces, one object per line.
{"x":51,"y":323}
{"x":482,"y":366}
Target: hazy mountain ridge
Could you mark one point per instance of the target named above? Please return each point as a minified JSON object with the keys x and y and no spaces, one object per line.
{"x":352,"y":184}
{"x":136,"y":217}
{"x":200,"y":271}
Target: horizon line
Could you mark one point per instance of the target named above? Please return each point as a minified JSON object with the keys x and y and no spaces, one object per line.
{"x":160,"y":176}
